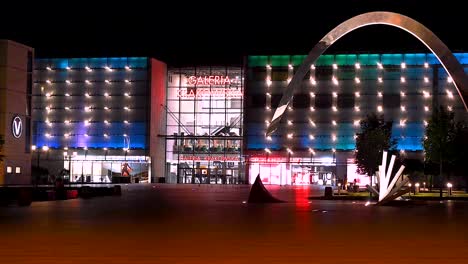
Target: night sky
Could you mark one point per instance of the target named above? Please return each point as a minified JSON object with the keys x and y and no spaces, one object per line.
{"x":220,"y":32}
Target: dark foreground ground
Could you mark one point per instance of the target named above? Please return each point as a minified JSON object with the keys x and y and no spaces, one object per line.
{"x":191,"y":224}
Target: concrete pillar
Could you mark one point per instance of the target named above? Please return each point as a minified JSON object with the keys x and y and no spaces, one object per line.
{"x":16,"y":69}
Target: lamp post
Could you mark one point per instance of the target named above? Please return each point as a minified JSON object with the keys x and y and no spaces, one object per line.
{"x":449,"y":186}
{"x":289,"y":162}
{"x":34,"y":149}
{"x":45,"y":149}
{"x":312,"y":152}
{"x":267,"y":152}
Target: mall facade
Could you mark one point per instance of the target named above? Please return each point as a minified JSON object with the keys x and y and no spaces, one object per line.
{"x":135,"y":119}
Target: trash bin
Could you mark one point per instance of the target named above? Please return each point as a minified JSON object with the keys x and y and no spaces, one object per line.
{"x":137,"y":180}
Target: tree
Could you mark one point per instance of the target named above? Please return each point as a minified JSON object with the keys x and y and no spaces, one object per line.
{"x":439,"y":141}
{"x":374,"y":138}
{"x":460,"y":145}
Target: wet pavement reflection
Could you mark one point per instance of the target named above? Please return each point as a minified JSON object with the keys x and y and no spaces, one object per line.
{"x":213,"y":224}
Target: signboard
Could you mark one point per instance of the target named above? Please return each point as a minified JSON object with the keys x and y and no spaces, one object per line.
{"x":209,"y":80}
{"x":207,"y":92}
{"x":218,"y":86}
{"x":209,"y":158}
{"x":275,"y":159}
{"x":17,"y":127}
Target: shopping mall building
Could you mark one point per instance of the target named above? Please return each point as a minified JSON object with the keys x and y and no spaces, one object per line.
{"x":136,"y":119}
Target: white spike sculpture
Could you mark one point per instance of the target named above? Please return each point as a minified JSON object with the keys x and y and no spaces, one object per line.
{"x":387,"y":190}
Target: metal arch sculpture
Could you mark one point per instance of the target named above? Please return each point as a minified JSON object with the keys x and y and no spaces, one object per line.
{"x":427,"y":37}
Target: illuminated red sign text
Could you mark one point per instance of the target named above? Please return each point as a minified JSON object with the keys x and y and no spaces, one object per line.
{"x":209,"y":80}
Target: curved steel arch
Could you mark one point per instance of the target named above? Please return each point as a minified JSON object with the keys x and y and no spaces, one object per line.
{"x":427,"y":37}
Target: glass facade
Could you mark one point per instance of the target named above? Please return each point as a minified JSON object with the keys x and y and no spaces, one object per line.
{"x":204,"y":125}
{"x":91,"y":117}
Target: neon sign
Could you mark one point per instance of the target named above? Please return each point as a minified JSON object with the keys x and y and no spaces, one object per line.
{"x":209,"y":80}
{"x":274,"y":159}
{"x":209,"y":158}
{"x":207,"y":92}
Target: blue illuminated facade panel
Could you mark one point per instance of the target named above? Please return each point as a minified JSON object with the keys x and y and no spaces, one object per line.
{"x":340,"y":91}
{"x":91,"y":103}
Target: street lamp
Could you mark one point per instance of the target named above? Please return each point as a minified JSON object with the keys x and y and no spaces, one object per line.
{"x":416,"y":187}
{"x":34,"y":149}
{"x":449,"y":186}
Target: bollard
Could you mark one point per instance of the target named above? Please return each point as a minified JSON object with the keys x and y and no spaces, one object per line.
{"x":117,"y":190}
{"x":24,"y":196}
{"x":85,"y":192}
{"x":5,"y":196}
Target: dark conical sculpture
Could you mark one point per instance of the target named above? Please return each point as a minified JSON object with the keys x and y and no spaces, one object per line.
{"x":259,"y":194}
